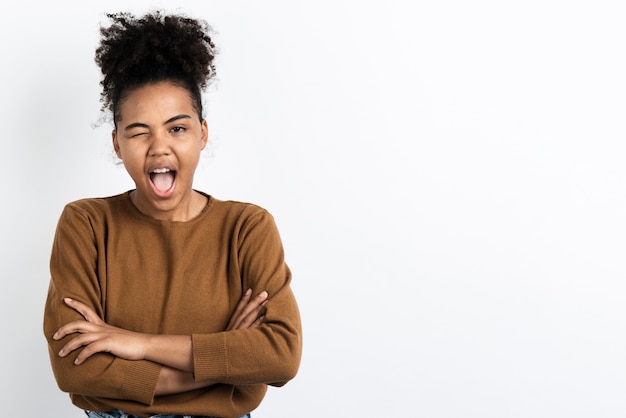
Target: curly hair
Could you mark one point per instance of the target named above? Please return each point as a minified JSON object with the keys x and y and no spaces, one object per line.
{"x":135,"y":51}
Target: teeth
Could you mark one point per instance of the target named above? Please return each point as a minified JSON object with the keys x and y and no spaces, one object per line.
{"x":161,"y":170}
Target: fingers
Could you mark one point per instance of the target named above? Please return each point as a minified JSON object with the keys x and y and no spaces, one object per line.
{"x":248,"y":311}
{"x":251,"y":311}
{"x":91,"y":318}
{"x":73,"y":327}
{"x":254,"y":318}
{"x":258,"y":322}
{"x":87,"y":313}
{"x":92,"y":343}
{"x":94,"y":336}
{"x":239,"y":309}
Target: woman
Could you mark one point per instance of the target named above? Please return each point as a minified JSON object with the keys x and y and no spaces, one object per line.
{"x":150,"y":309}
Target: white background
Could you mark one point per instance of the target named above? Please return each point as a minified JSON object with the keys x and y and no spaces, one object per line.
{"x":448,"y":178}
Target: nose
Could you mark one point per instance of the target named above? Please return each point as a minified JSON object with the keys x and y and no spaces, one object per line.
{"x":159,"y":145}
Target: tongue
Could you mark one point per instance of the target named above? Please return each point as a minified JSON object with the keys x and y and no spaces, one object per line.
{"x":163,"y":181}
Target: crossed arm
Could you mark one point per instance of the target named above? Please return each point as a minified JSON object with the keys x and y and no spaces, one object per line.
{"x":173,"y":352}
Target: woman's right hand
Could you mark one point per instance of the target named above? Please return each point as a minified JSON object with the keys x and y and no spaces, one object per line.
{"x":249,"y":312}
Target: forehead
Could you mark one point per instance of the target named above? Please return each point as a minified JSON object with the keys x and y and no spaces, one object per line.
{"x":156,"y":100}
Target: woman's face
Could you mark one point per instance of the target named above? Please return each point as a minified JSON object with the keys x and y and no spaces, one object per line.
{"x":159,"y":138}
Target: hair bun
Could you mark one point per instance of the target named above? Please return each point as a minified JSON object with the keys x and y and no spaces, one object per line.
{"x":157,"y":46}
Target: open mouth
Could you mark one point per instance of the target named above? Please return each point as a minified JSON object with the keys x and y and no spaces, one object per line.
{"x":163,"y":179}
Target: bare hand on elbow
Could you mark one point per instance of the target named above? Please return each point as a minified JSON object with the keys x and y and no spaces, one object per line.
{"x":98,"y":336}
{"x":249,"y":312}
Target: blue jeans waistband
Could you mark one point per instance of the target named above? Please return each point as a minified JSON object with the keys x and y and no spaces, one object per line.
{"x":121,"y":414}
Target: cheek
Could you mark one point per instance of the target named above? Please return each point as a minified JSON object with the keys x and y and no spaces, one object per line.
{"x":131,"y":162}
{"x":191,"y":152}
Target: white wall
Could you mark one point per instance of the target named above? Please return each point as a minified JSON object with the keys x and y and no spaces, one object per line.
{"x":447,"y":176}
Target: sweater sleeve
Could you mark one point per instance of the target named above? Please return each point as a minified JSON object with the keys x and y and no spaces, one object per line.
{"x":77,"y":257}
{"x":268,"y":354}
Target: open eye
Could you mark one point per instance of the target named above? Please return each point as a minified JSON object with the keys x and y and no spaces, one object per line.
{"x":178,"y":129}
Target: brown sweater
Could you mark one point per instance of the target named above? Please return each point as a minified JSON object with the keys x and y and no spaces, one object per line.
{"x":160,"y":277}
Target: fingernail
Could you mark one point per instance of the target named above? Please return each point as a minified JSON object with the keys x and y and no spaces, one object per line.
{"x":263,"y":294}
{"x":248,"y":292}
{"x":67,"y":300}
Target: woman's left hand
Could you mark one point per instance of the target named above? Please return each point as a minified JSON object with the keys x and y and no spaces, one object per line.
{"x":97,"y":336}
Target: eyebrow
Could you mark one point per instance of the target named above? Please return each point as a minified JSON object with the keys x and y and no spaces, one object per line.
{"x":143,"y":125}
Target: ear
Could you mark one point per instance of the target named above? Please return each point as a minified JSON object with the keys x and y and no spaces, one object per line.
{"x":205,"y":134}
{"x":116,"y":145}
